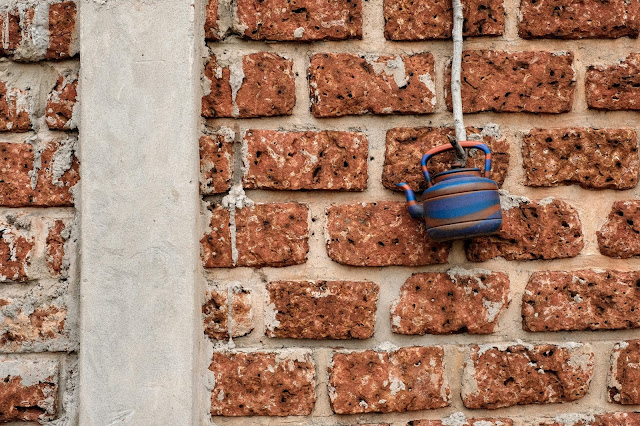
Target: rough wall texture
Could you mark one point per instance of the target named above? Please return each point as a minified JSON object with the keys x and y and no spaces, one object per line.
{"x":340,"y":309}
{"x":39,"y":175}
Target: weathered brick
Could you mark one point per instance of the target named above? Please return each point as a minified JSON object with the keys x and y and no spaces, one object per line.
{"x":321,"y":309}
{"x":328,"y":160}
{"x":592,"y":158}
{"x":275,"y":234}
{"x":620,"y":235}
{"x":261,"y":86}
{"x":405,"y":146}
{"x":615,"y":87}
{"x":16,"y":248}
{"x":28,"y":390}
{"x":263,"y":383}
{"x":411,"y":20}
{"x":624,"y":376}
{"x":611,"y":419}
{"x":61,"y":103}
{"x":454,"y":302}
{"x":459,"y":419}
{"x":216,"y":162}
{"x":217,"y":316}
{"x":538,"y":82}
{"x":62,"y":30}
{"x":581,"y":300}
{"x":531,"y":229}
{"x":406,"y":379}
{"x":211,"y":28}
{"x":15,"y":107}
{"x":517,"y":375}
{"x":347,"y":84}
{"x":216,"y":243}
{"x":575,"y":19}
{"x":380,"y":234}
{"x":40,"y":174}
{"x":11,"y":36}
{"x":300,"y":20}
{"x":59,"y":234}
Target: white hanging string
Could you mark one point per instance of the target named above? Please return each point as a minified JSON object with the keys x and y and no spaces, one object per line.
{"x":456,"y":96}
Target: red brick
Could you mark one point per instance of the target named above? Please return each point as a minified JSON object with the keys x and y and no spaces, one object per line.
{"x":405,"y":147}
{"x":321,"y":309}
{"x":275,"y":234}
{"x":61,"y":103}
{"x":573,"y":19}
{"x":581,"y":300}
{"x":346,"y":84}
{"x":28,"y":390}
{"x":38,"y":175}
{"x":454,"y":302}
{"x":263,"y":87}
{"x":326,"y":160}
{"x":216,"y":243}
{"x":263,"y":383}
{"x":16,"y":249}
{"x":57,"y":237}
{"x":380,"y":234}
{"x":300,"y":20}
{"x":518,"y":375}
{"x":615,"y":87}
{"x":11,"y":37}
{"x":620,"y":235}
{"x":538,"y":82}
{"x":624,"y":377}
{"x":62,"y":30}
{"x":592,"y":158}
{"x":612,"y":419}
{"x":406,"y":379}
{"x":217,"y":316}
{"x":411,"y":20}
{"x":216,"y":162}
{"x":211,"y":28}
{"x":538,"y":229}
{"x":14,"y":109}
{"x":459,"y":419}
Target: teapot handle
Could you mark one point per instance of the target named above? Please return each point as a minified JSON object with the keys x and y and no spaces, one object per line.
{"x":465,"y":144}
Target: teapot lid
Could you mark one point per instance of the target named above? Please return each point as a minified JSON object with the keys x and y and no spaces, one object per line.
{"x":459,"y":180}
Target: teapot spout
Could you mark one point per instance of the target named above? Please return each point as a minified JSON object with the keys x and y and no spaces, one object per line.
{"x":415,"y":210}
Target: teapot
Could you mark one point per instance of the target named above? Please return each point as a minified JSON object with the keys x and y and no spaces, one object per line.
{"x":458,"y":203}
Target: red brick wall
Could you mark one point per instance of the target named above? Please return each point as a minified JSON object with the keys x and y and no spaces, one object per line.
{"x":339,"y":308}
{"x":39,"y":176}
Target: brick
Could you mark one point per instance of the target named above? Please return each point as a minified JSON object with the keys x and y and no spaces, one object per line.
{"x":531,"y":229}
{"x":538,"y":82}
{"x":28,"y":390}
{"x":624,"y":376}
{"x":61,"y":103}
{"x":573,"y":19}
{"x":611,"y":419}
{"x":15,"y":106}
{"x":496,"y":377}
{"x":300,"y":20}
{"x":59,"y":234}
{"x":16,"y":248}
{"x":211,"y":28}
{"x":459,"y":419}
{"x":62,"y":30}
{"x":405,"y":147}
{"x":454,"y":302}
{"x":411,"y":20}
{"x":347,"y":84}
{"x":216,"y":162}
{"x":39,"y":325}
{"x":327,"y":160}
{"x":11,"y":37}
{"x":380,"y":234}
{"x":262,"y":87}
{"x":274,"y":234}
{"x":263,"y":383}
{"x":592,"y":158}
{"x":615,"y":87}
{"x":321,"y":309}
{"x":216,"y":243}
{"x":40,"y":174}
{"x":406,"y":379}
{"x":581,"y":300}
{"x":217,"y":316}
{"x":620,"y":235}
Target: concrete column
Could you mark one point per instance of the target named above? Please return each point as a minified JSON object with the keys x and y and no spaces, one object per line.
{"x":138,"y":203}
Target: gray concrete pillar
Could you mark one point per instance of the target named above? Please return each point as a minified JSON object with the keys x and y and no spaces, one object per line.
{"x":138,"y":204}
